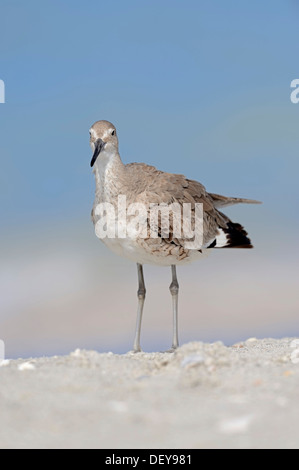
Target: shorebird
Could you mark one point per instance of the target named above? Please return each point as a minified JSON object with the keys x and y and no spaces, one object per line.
{"x":142,"y":183}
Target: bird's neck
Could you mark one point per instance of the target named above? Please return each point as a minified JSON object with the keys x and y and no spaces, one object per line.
{"x":109,"y":173}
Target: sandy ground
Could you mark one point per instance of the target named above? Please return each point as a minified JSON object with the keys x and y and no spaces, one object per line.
{"x":201,"y":396}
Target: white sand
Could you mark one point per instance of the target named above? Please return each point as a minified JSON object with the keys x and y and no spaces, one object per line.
{"x":201,"y":396}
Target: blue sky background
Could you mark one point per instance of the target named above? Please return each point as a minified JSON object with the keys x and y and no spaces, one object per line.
{"x":194,"y":87}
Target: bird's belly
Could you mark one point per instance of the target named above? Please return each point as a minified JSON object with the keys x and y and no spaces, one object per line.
{"x":123,"y":247}
{"x":140,"y":252}
{"x":138,"y":247}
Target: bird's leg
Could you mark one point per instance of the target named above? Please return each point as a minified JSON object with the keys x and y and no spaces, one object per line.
{"x":141,"y":298}
{"x":174,"y":290}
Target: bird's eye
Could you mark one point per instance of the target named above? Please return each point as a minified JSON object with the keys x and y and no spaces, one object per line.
{"x":113,"y":132}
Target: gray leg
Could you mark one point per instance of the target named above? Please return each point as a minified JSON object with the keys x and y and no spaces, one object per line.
{"x":141,"y":298}
{"x":174,"y":289}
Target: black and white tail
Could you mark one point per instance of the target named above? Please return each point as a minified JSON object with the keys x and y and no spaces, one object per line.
{"x":233,"y":236}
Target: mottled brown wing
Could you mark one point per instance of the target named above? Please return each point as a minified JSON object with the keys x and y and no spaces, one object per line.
{"x":157,"y":187}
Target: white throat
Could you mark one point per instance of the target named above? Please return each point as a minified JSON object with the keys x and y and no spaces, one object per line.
{"x":104,"y":162}
{"x":106,"y":171}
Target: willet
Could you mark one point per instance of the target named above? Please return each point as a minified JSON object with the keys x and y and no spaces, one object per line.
{"x":144,"y":184}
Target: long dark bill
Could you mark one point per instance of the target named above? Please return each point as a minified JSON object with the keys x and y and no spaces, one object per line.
{"x":99,"y":145}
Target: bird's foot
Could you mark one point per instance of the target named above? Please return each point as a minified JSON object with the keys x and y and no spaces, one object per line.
{"x":172,"y":349}
{"x":135,"y":351}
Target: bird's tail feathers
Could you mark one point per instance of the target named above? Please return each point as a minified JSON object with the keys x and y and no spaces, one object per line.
{"x":233,"y":236}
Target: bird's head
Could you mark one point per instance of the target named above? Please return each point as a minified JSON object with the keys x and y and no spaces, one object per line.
{"x":103,"y":139}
